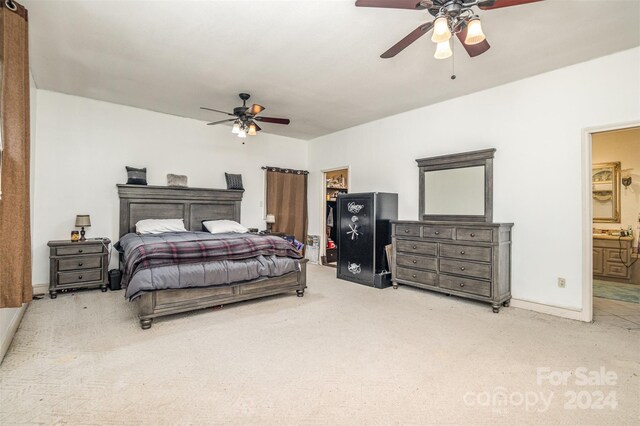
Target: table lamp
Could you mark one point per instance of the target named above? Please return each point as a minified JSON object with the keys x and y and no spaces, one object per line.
{"x":82,"y":221}
{"x":270,"y":219}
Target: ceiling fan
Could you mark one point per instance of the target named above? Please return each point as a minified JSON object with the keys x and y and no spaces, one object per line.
{"x":245,"y":118}
{"x":451,"y":17}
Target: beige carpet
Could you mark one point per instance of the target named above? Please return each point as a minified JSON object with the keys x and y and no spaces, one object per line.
{"x":343,"y":354}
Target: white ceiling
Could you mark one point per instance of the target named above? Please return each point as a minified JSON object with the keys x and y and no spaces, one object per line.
{"x":315,"y":62}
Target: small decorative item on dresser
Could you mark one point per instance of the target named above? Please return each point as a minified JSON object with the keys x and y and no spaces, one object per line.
{"x":82,"y":221}
{"x":75,"y":236}
{"x":81,"y":264}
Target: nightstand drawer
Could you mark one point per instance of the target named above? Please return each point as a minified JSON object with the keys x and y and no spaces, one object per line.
{"x":481,"y":288}
{"x":81,"y":249}
{"x":479,"y":270}
{"x":80,"y":276}
{"x":416,"y":261}
{"x":417,"y":247}
{"x":81,"y":262}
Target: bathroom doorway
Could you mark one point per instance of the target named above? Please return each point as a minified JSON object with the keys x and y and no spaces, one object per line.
{"x":615,"y":217}
{"x":334,"y":182}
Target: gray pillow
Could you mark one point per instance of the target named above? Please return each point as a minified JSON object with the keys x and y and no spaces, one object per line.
{"x":136,"y":176}
{"x":177,"y":180}
{"x":233,"y":181}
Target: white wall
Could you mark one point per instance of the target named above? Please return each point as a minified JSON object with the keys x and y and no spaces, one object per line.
{"x":84,"y":146}
{"x":536,"y":125}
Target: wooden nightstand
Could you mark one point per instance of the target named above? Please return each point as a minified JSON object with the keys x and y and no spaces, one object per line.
{"x":82,"y":264}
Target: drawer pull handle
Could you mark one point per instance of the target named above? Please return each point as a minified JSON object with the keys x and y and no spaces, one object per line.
{"x":406,"y":231}
{"x":80,"y":264}
{"x":80,"y":251}
{"x":461,"y":284}
{"x":415,"y":261}
{"x":437,"y":232}
{"x":415,"y":247}
{"x":413,"y":276}
{"x":472,"y":235}
{"x":462,"y":268}
{"x":461,"y":251}
{"x":79,"y":277}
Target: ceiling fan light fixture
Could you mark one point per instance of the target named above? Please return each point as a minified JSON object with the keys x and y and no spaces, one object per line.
{"x":443,"y":50}
{"x":441,"y":31}
{"x":242,"y":133}
{"x":475,"y":34}
{"x":252,"y":130}
{"x":236,"y":128}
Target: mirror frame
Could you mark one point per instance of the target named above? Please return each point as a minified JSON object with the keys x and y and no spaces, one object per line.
{"x":457,"y":161}
{"x":615,"y":191}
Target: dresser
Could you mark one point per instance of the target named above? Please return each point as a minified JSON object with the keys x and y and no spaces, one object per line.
{"x":467,"y":259}
{"x":81,"y":264}
{"x":364,"y":229}
{"x":611,"y":254}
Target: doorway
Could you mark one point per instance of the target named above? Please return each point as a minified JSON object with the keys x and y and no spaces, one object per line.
{"x":334,"y":182}
{"x":614,"y":199}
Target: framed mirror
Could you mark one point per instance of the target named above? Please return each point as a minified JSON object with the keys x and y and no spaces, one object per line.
{"x":457,"y":187}
{"x":605,"y":187}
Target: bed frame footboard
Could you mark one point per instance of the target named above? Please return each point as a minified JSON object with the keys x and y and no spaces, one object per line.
{"x":154,"y":304}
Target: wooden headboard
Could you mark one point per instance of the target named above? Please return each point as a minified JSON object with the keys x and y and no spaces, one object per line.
{"x":138,"y":202}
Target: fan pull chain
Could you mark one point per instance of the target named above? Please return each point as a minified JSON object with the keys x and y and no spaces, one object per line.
{"x":453,"y":61}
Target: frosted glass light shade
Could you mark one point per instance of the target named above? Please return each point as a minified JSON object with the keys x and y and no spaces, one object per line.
{"x":236,"y":128}
{"x":252,"y":129}
{"x":443,"y":50}
{"x":242,"y":133}
{"x":474,"y":32}
{"x":441,"y":30}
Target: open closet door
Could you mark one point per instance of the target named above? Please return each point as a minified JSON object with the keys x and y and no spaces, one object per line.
{"x":15,"y":234}
{"x":287,"y":200}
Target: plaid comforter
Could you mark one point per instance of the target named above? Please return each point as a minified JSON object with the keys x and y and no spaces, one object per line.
{"x":142,"y":252}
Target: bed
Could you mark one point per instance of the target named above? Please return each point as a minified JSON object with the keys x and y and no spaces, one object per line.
{"x":194,"y":205}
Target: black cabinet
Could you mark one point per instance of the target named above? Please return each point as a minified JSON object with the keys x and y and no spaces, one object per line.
{"x":364,"y":229}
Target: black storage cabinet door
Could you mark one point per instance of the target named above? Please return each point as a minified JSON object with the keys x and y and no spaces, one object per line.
{"x":363,"y":232}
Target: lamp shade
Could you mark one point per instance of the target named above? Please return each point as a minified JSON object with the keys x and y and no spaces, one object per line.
{"x":443,"y":50}
{"x":83,"y":220}
{"x":441,"y":30}
{"x":270,"y":218}
{"x":475,"y":34}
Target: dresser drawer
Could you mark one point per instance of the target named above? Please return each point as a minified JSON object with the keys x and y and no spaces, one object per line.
{"x":422,"y":277}
{"x":444,"y":232}
{"x":416,"y":261}
{"x":80,"y":262}
{"x":455,"y":251}
{"x":82,"y":249}
{"x":408,"y":230}
{"x":474,"y":234}
{"x":477,"y":270}
{"x":80,"y":276}
{"x":419,"y":247}
{"x":481,"y":288}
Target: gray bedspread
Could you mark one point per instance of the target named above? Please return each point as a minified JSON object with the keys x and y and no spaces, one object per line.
{"x":198,"y":274}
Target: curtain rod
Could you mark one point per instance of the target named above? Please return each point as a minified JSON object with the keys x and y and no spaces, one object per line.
{"x":279,"y":170}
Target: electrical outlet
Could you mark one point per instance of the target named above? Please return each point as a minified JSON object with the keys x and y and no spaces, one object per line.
{"x":562,"y":282}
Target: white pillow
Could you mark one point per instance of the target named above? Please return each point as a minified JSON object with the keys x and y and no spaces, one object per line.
{"x":157,"y":226}
{"x":224,"y":226}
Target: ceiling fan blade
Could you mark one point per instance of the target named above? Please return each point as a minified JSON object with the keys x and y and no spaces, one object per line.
{"x":496,"y":4}
{"x":396,"y":4}
{"x":272,"y":120}
{"x":472,"y":49}
{"x":257,"y":127}
{"x":256,"y":109}
{"x":216,"y":110}
{"x":405,"y":42}
{"x":221,"y":121}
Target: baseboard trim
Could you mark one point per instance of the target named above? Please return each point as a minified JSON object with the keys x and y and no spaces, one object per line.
{"x":40,"y":288}
{"x":11,"y":331}
{"x":558,"y":311}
